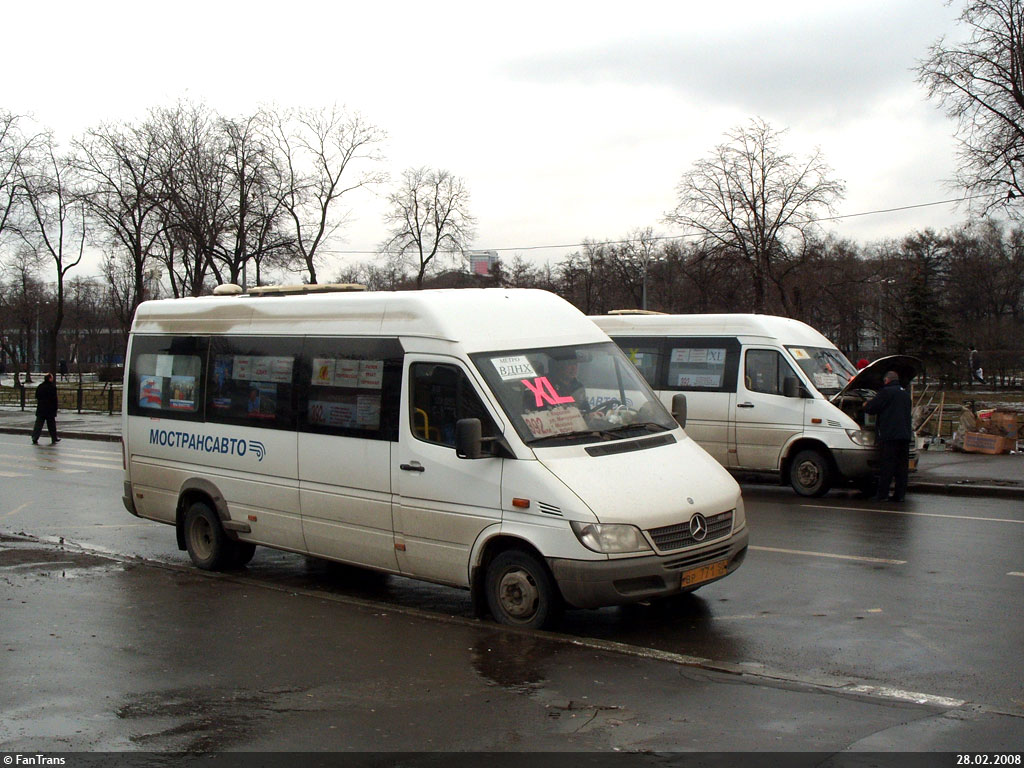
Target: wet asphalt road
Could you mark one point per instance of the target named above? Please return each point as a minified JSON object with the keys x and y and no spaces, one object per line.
{"x":836,"y":593}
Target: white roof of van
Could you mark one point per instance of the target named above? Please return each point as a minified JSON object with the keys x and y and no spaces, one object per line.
{"x":479,"y":319}
{"x":783,"y":329}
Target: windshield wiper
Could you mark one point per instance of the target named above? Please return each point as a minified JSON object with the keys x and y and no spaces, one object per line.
{"x":647,"y":426}
{"x":566,"y":436}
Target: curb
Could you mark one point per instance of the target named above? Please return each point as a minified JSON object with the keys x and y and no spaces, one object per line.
{"x":969,"y":488}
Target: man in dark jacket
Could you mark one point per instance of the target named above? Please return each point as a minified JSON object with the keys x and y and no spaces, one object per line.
{"x":891,"y":407}
{"x":46,"y":410}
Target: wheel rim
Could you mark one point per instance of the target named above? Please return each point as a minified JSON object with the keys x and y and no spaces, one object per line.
{"x":518,"y":594}
{"x":201,"y":536}
{"x":808,"y":474}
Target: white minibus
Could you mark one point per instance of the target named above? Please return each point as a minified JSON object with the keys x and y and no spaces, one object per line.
{"x":443,"y":435}
{"x":765,"y":394}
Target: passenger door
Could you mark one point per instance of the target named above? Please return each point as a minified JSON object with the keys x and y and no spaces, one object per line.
{"x":765,"y":418}
{"x":442,"y":502}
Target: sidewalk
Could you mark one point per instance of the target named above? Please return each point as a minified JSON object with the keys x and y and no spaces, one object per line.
{"x":958,"y":474}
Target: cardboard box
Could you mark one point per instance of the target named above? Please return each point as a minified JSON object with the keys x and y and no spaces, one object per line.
{"x":1005,"y":423}
{"x":979,"y":442}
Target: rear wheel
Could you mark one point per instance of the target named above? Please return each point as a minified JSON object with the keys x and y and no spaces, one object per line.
{"x":810,"y":474}
{"x":521,"y":592}
{"x":205,"y":540}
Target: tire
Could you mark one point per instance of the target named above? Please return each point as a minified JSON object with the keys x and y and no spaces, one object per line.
{"x":521,"y":592}
{"x":207,"y":544}
{"x":241,"y":553}
{"x":810,"y":473}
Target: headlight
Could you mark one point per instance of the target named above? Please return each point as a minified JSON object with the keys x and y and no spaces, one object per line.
{"x":862,"y":436}
{"x":610,"y":539}
{"x":739,"y":516}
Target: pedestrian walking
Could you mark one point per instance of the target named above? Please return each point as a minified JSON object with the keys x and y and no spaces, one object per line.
{"x":46,"y":410}
{"x":974,"y":364}
{"x":891,"y":408}
{"x":63,"y":369}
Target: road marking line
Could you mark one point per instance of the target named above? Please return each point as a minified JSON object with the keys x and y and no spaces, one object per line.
{"x":15,"y":511}
{"x":829,"y":554}
{"x":900,"y":695}
{"x":87,"y":461}
{"x":63,"y":471}
{"x":1015,"y":573}
{"x":12,"y":474}
{"x":914,"y":514}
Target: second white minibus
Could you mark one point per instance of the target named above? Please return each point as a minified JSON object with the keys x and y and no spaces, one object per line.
{"x":443,"y":435}
{"x":765,"y":394}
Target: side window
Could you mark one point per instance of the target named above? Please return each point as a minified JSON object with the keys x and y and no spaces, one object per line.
{"x":702,"y":364}
{"x":166,"y":377}
{"x":440,"y":395}
{"x":765,"y":371}
{"x":646,"y":357}
{"x":251,"y":381}
{"x":351,"y":387}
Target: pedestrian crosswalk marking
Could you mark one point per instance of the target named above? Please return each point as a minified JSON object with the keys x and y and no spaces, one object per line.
{"x":13,"y":474}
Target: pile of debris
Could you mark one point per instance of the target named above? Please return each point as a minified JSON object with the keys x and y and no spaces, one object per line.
{"x":992,"y":431}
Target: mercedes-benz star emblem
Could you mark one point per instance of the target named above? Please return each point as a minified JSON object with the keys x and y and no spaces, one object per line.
{"x":698,"y":527}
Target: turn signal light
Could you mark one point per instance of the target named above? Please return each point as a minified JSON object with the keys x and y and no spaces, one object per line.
{"x":521,"y":503}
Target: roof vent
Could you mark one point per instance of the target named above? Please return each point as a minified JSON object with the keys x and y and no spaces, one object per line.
{"x":228,"y":289}
{"x":300,"y":290}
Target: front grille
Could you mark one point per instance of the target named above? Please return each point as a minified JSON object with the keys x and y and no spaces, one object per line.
{"x":671,"y":537}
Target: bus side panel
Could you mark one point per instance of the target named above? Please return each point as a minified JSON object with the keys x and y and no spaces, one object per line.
{"x":254,"y":470}
{"x":345,"y":488}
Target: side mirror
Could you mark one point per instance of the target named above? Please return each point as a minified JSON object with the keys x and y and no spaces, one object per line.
{"x":791,"y":387}
{"x":468,"y":439}
{"x":679,"y":409}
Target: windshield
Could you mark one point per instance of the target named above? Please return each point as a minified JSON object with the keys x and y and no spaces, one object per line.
{"x":828,"y":369}
{"x":574,"y":394}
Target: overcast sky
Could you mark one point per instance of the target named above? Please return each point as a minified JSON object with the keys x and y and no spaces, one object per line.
{"x":567,"y":120}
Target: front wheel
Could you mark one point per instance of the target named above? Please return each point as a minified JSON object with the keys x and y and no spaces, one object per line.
{"x":521,"y":592}
{"x":810,"y":474}
{"x":205,"y":540}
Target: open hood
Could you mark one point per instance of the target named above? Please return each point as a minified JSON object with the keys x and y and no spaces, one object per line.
{"x":871,"y":376}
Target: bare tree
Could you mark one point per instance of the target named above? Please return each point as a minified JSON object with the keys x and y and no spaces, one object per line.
{"x":54,"y":223}
{"x":257,"y":208}
{"x":16,"y":148}
{"x":195,"y":189}
{"x":980,"y":83}
{"x":121,"y":185}
{"x":751,"y":197}
{"x":323,"y":155}
{"x":428,"y":214}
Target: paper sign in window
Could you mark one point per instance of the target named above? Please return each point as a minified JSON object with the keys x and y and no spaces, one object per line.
{"x":826,"y":380}
{"x":514,"y":367}
{"x":703,"y":381}
{"x":183,"y":393}
{"x":556,"y":421}
{"x":151,"y":392}
{"x":323,"y":371}
{"x":371,"y":374}
{"x":164,"y":365}
{"x":346,"y":373}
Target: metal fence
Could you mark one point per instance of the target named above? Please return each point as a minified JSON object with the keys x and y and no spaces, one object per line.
{"x":103,"y":398}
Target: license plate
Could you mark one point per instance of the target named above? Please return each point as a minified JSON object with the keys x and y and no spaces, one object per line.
{"x":912,"y":465}
{"x":703,"y":573}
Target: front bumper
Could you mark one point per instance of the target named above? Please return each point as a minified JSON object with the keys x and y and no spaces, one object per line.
{"x":860,"y":464}
{"x":596,"y":583}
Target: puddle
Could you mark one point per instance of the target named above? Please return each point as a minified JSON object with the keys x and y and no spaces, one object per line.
{"x":23,"y":557}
